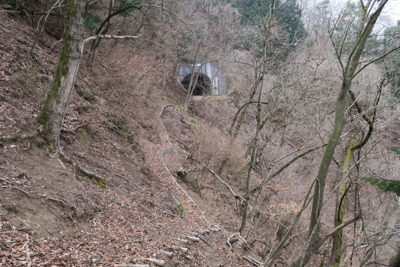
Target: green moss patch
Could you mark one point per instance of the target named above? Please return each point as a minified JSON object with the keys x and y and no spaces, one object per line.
{"x":84,"y":136}
{"x":123,"y":127}
{"x":16,"y":95}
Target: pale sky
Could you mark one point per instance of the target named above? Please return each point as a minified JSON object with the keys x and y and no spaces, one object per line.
{"x":389,"y":16}
{"x":393,"y":10}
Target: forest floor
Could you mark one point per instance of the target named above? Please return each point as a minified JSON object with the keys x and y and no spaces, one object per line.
{"x":51,"y":215}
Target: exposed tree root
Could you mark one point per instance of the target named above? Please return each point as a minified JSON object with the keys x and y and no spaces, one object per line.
{"x":97,"y":179}
{"x":229,"y":239}
{"x":19,"y":136}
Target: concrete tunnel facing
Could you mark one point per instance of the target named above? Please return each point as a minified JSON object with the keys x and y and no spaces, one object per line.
{"x":212,"y":79}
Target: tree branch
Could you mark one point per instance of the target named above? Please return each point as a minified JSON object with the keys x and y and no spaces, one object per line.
{"x":374,"y":60}
{"x":109,"y":37}
{"x":336,"y":229}
{"x":287,"y":165}
{"x":226,"y":184}
{"x":240,"y":109}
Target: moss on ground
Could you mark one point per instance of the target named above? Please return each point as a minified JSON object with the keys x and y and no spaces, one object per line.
{"x":124,"y":128}
{"x":16,"y":95}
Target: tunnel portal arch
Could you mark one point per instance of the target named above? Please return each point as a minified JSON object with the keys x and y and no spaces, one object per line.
{"x":203,"y":85}
{"x":212,"y":79}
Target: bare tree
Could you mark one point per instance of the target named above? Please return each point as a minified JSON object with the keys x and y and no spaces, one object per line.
{"x":350,"y":69}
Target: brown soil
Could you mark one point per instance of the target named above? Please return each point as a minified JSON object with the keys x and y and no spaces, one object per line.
{"x":53,"y":215}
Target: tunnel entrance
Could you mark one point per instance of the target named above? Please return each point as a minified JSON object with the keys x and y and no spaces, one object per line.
{"x":203,"y":85}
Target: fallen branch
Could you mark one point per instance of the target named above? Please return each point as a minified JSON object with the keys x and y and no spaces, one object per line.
{"x":9,"y":11}
{"x":102,"y":36}
{"x":19,"y":136}
{"x":169,"y":254}
{"x":126,"y":179}
{"x":184,"y":250}
{"x":162,"y":159}
{"x":23,"y":191}
{"x":61,"y":162}
{"x":252,"y":261}
{"x":227,"y":185}
{"x":195,"y":239}
{"x":205,"y":241}
{"x":5,"y":180}
{"x":59,"y":41}
{"x":155,"y":261}
{"x":192,"y":233}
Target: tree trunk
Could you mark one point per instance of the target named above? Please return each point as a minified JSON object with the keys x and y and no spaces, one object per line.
{"x":254,"y":144}
{"x":193,"y":81}
{"x":52,"y":114}
{"x":395,"y":261}
{"x":337,"y":238}
{"x":314,"y":240}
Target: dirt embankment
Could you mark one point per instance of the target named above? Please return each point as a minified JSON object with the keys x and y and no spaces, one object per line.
{"x":53,"y":215}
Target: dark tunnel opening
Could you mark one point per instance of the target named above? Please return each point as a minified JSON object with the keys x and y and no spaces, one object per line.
{"x":203,"y":85}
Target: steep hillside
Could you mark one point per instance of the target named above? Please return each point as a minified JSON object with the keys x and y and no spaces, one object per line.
{"x":136,"y":138}
{"x":174,"y":187}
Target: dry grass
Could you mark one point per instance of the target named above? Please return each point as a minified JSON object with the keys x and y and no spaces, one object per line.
{"x":211,"y":147}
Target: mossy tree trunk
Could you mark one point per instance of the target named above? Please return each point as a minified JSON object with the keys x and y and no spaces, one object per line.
{"x":337,"y":238}
{"x":53,"y":112}
{"x":314,"y":239}
{"x":395,"y":261}
{"x":337,"y":242}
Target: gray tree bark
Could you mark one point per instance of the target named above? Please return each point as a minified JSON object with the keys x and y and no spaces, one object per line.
{"x":53,"y":112}
{"x":314,"y":240}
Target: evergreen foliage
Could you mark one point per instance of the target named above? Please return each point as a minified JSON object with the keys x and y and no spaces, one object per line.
{"x":346,"y":29}
{"x":94,"y":19}
{"x":386,"y":185}
{"x":288,"y":29}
